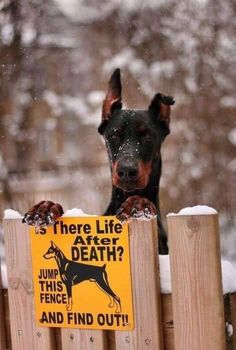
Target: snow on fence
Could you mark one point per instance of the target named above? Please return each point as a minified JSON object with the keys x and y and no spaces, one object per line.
{"x":196,"y":323}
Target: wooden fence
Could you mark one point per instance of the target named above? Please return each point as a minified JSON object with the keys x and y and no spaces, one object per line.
{"x":197,"y":321}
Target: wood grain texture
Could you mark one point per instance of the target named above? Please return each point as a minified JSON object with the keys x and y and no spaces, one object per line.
{"x":2,"y":317}
{"x":76,"y":339}
{"x":148,"y":332}
{"x":196,"y":282}
{"x":24,"y":332}
{"x":7,"y":319}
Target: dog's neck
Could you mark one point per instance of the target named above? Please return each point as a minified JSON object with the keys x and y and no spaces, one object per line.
{"x":150,"y":192}
{"x":61,"y":261}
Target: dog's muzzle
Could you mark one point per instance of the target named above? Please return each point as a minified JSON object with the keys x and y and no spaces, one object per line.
{"x":126,"y":175}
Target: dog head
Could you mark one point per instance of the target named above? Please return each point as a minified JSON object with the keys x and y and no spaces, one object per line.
{"x":133,"y":137}
{"x":52,"y":251}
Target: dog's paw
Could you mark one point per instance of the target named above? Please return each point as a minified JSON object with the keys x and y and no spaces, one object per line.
{"x":68,"y":307}
{"x":112,"y":303}
{"x":136,"y":207}
{"x":43,"y":213}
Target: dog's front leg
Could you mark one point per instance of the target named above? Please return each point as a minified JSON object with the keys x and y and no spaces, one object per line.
{"x":112,"y":302}
{"x":69,"y":297}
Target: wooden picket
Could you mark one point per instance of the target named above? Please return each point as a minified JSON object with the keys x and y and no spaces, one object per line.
{"x":146,"y":290}
{"x":197,"y":294}
{"x":24,"y":332}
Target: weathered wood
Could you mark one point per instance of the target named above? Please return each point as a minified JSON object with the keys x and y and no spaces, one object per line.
{"x":24,"y":332}
{"x":2,"y":317}
{"x":168,"y":324}
{"x":148,"y":332}
{"x":7,"y":319}
{"x":196,"y":282}
{"x":76,"y":339}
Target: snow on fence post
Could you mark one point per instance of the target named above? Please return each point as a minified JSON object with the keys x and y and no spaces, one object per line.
{"x":196,"y":281}
{"x":148,"y":330}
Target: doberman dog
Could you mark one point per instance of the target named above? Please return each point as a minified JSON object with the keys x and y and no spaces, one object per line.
{"x":133,"y":139}
{"x":73,"y":273}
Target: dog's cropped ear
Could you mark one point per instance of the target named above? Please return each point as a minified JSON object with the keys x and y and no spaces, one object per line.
{"x":53,"y":244}
{"x":113,"y":97}
{"x":160,"y":108}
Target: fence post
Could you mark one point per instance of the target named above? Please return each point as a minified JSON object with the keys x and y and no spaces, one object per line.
{"x":24,"y":333}
{"x":147,"y":333}
{"x":196,"y":282}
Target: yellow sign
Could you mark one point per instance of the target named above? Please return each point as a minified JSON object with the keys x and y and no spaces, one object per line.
{"x":81,"y":270}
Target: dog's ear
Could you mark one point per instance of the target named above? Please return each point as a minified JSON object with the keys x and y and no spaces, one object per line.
{"x":53,"y":244}
{"x":160,"y":108}
{"x":113,"y":97}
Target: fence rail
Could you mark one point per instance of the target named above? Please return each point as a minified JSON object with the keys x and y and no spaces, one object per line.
{"x":197,"y":321}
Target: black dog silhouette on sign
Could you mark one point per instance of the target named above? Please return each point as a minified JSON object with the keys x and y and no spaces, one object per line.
{"x":72,"y":273}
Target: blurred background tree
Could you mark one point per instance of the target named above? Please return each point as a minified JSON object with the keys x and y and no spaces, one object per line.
{"x":55,"y":60}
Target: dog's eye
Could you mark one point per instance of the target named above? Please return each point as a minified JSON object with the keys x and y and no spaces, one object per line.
{"x":113,"y":137}
{"x":147,"y":137}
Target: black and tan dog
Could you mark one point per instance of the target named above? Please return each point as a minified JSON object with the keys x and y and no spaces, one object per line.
{"x":133,"y":140}
{"x":73,"y":273}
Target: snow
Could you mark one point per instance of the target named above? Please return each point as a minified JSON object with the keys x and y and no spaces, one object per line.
{"x":164,"y":264}
{"x":58,"y":41}
{"x":4,"y":275}
{"x":28,"y":34}
{"x":197,"y":210}
{"x":230,"y":329}
{"x":74,"y":104}
{"x":228,"y":275}
{"x":82,"y":11}
{"x":232,"y":165}
{"x":121,"y":59}
{"x":7,"y":33}
{"x":232,"y":136}
{"x":95,"y":97}
{"x":59,"y":103}
{"x":53,"y":100}
{"x":12,"y":214}
{"x":228,"y":101}
{"x":165,"y":68}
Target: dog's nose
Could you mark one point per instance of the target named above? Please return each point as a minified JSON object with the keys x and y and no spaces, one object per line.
{"x":127,"y":172}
